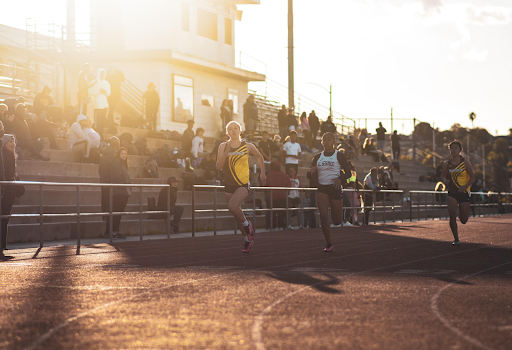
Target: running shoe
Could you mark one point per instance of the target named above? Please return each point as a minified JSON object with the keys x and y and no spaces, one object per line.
{"x":249,"y":230}
{"x":455,"y":242}
{"x":247,"y":247}
{"x":290,"y":227}
{"x":347,"y":224}
{"x":329,"y":248}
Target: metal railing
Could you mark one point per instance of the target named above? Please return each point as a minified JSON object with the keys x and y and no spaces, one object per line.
{"x":41,"y":215}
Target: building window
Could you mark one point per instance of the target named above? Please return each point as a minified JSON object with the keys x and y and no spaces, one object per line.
{"x":207,"y":100}
{"x":185,"y":17}
{"x":183,"y":98}
{"x":233,"y":95}
{"x":228,"y":25}
{"x":207,"y":24}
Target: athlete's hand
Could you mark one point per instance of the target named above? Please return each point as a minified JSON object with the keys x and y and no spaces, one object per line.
{"x":462,"y":189}
{"x":337,"y":184}
{"x":263,"y":178}
{"x":227,"y":147}
{"x":313,"y":169}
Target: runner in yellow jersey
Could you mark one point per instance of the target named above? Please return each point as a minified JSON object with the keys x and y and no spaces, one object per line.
{"x":458,"y":176}
{"x":233,"y":158}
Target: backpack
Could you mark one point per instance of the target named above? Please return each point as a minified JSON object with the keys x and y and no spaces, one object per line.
{"x":151,"y":169}
{"x":163,"y":159}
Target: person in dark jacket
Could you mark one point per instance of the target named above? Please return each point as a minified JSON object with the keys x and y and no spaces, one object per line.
{"x":152,"y":104}
{"x":18,"y":126}
{"x":42,"y":100}
{"x":188,"y":136}
{"x":281,"y":119}
{"x":209,"y":165}
{"x":176,"y":210}
{"x":42,"y":127}
{"x":328,"y":126}
{"x":395,"y":145}
{"x":108,"y":154}
{"x":9,"y":192}
{"x":250,"y":116}
{"x":314,"y":124}
{"x":85,"y":77}
{"x":120,"y":174}
{"x":115,"y":77}
{"x":291,"y":121}
{"x":277,"y":178}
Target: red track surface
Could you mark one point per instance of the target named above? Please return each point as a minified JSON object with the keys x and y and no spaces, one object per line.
{"x":393,"y":286}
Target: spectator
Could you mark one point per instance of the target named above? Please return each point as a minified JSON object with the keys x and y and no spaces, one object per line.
{"x":93,"y":135}
{"x":291,"y":120}
{"x":174,"y":210}
{"x":277,"y":178}
{"x":223,"y":138}
{"x":292,"y":152}
{"x":78,"y":138}
{"x":17,"y":125}
{"x":120,"y":174}
{"x":208,"y":164}
{"x":275,"y":146}
{"x":188,"y":136}
{"x":264,"y":148}
{"x":354,"y":196}
{"x":307,"y":213}
{"x":115,"y":77}
{"x":198,"y":143}
{"x":306,"y":129}
{"x":371,"y":182}
{"x":369,"y":149}
{"x":328,"y":126}
{"x":225,"y":115}
{"x":189,"y":176}
{"x":152,"y":104}
{"x":3,"y":111}
{"x":250,"y":116}
{"x":314,"y":124}
{"x":363,"y":135}
{"x":381,"y":137}
{"x":84,"y":83}
{"x":232,"y":108}
{"x":281,"y":119}
{"x":11,"y":191}
{"x":100,"y":90}
{"x":108,"y":154}
{"x":395,"y":145}
{"x":41,"y":101}
{"x":41,"y":127}
{"x":294,"y":199}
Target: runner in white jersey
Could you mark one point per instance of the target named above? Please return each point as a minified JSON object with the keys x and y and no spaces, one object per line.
{"x":332,"y":170}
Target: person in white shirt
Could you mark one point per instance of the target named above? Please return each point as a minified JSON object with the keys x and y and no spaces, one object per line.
{"x":198,"y":143}
{"x":294,"y":199}
{"x":292,"y":152}
{"x":100,"y":91}
{"x":78,"y":139}
{"x":93,"y":135}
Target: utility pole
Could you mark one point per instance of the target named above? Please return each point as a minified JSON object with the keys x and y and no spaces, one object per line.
{"x":483,"y":163}
{"x":433,"y":145}
{"x":291,"y":90}
{"x":391,"y":132}
{"x":330,"y":103}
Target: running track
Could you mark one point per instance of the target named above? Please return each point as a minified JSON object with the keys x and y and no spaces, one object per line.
{"x":392,"y":286}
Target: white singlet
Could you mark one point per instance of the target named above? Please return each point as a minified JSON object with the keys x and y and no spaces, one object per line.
{"x":328,"y":168}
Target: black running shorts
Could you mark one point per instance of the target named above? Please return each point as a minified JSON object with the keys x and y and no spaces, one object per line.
{"x":461,"y":197}
{"x":232,"y":189}
{"x":330,"y":190}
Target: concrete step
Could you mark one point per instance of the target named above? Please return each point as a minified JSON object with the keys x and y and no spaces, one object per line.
{"x":85,"y":179}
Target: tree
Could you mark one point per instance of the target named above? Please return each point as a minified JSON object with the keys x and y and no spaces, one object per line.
{"x":423,"y":131}
{"x":472,"y":117}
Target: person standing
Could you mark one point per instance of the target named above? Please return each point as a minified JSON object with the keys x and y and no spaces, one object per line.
{"x":188,"y":136}
{"x":281,"y":119}
{"x":120,"y":174}
{"x":84,"y":83}
{"x":250,"y":116}
{"x":264,"y":148}
{"x":233,"y":158}
{"x":197,"y":143}
{"x":353,"y":195}
{"x":174,"y":210}
{"x":294,"y":199}
{"x":11,"y":191}
{"x":328,"y":126}
{"x":381,"y":137}
{"x":291,"y":120}
{"x":292,"y":152}
{"x":115,"y":77}
{"x":314,"y":124}
{"x":371,"y":182}
{"x":41,"y":101}
{"x":225,"y":114}
{"x":458,"y":176}
{"x":306,"y":129}
{"x":108,"y":154}
{"x":152,"y":105}
{"x":100,"y":91}
{"x":332,"y":170}
{"x":395,"y":145}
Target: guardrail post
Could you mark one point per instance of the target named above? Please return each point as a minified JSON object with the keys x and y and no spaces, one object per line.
{"x":418,"y":206}
{"x":141,"y":219}
{"x":393,"y":205}
{"x":215,"y":211}
{"x":410,"y":206}
{"x":41,"y":237}
{"x":271,"y":212}
{"x":402,"y":204}
{"x":287,"y":223}
{"x":78,"y":226}
{"x":254,"y":208}
{"x":374,"y":195}
{"x":1,"y":231}
{"x":168,"y":214}
{"x":111,"y":210}
{"x":302,"y":208}
{"x":193,"y":210}
{"x":384,"y":208}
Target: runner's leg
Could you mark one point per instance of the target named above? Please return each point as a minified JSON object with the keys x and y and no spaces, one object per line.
{"x":235,"y":201}
{"x":323,"y":207}
{"x":452,"y":210}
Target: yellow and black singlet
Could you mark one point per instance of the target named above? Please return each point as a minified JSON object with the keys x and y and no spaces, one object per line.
{"x":236,"y":167}
{"x":457,"y":176}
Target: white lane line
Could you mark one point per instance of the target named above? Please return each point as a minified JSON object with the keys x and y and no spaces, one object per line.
{"x":258,"y":321}
{"x":426,"y":272}
{"x":435,"y":309}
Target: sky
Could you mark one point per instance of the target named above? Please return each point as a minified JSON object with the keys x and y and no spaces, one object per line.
{"x":433,"y":60}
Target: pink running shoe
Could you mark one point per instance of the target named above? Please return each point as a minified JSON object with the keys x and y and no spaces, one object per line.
{"x":247,"y":247}
{"x":249,"y":230}
{"x":329,"y":248}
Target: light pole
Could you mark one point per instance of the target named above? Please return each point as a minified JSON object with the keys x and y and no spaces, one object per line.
{"x":330,"y":95}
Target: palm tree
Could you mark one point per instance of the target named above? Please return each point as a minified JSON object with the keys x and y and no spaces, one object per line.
{"x":472,"y":117}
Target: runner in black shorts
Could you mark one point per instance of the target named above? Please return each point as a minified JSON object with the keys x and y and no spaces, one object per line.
{"x":233,"y":157}
{"x":458,"y":176}
{"x":332,"y":170}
